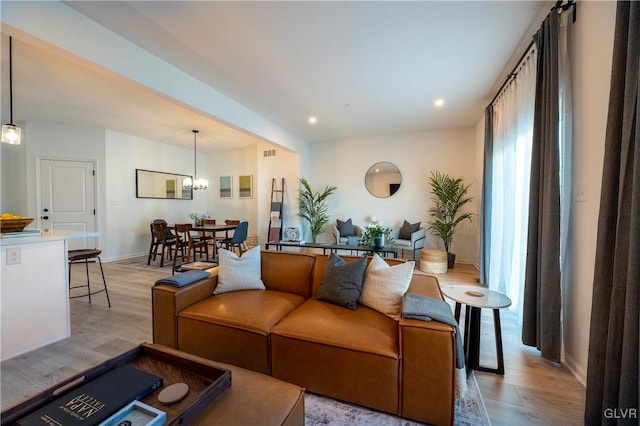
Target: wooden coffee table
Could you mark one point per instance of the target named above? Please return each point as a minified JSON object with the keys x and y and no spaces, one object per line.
{"x":250,"y":397}
{"x":475,"y":298}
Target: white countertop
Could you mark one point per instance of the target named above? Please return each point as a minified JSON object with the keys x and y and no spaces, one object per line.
{"x":45,"y":236}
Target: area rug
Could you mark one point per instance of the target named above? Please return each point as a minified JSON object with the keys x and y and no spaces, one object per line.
{"x":141,"y":262}
{"x":320,"y":410}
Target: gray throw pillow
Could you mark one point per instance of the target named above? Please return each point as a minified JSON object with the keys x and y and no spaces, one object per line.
{"x":342,"y":281}
{"x":346,"y":229}
{"x":408,"y":229}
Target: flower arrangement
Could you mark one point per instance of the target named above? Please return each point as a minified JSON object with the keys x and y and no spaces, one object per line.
{"x":198,"y":215}
{"x":374,"y":231}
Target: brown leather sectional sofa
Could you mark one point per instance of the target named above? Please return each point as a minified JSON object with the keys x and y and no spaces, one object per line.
{"x":403,"y":367}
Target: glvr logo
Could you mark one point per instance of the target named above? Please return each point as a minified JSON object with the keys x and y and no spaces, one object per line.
{"x":620,"y":413}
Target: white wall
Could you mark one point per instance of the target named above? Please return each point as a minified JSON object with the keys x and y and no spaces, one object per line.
{"x":344,"y":164}
{"x":234,"y":164}
{"x":591,"y":55}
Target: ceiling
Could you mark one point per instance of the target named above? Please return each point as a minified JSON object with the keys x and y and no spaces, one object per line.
{"x":361,"y":68}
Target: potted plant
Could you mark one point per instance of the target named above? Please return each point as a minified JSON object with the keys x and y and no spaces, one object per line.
{"x":313,"y":207}
{"x":375,"y":236}
{"x":449,"y":196}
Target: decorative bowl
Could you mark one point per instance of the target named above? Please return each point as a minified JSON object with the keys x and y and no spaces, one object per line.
{"x":14,"y":225}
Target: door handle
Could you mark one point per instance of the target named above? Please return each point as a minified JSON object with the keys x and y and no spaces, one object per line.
{"x":44,"y":217}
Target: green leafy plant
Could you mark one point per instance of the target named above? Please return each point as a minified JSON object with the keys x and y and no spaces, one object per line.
{"x":373,"y":231}
{"x":313,"y":207}
{"x":449,"y":196}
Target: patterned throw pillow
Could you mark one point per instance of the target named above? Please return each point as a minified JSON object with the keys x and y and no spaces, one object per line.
{"x":342,"y":281}
{"x":408,"y":229}
{"x":384,"y":286}
{"x":239,"y":273}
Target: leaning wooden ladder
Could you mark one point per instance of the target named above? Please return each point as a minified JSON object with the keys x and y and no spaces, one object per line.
{"x":275,"y":213}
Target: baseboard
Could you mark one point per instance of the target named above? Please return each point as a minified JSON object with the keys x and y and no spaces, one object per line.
{"x":573,"y":367}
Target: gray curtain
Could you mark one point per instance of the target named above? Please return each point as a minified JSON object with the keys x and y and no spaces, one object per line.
{"x":541,"y":326}
{"x":612,"y":372}
{"x":485,"y":209}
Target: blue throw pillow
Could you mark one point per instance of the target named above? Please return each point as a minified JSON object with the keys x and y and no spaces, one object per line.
{"x":408,"y":229}
{"x":346,"y":229}
{"x":341,"y":282}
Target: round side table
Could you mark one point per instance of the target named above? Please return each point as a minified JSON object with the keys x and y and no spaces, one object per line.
{"x":475,"y":298}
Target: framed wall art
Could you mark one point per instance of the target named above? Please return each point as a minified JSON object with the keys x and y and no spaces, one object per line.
{"x":226,"y":187}
{"x":245,"y":186}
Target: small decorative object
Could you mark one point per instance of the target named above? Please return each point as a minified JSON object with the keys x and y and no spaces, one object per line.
{"x":173,"y":393}
{"x":292,"y":233}
{"x":226,"y":187}
{"x":375,"y":236}
{"x":198,"y":216}
{"x":448,"y":196}
{"x":137,"y":413}
{"x":313,"y":207}
{"x":245,"y":186}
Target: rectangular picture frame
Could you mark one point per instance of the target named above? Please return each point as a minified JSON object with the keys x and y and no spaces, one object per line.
{"x":226,"y":187}
{"x":245,"y":186}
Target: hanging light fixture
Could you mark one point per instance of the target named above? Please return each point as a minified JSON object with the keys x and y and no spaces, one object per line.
{"x":10,"y":132}
{"x":196,"y":183}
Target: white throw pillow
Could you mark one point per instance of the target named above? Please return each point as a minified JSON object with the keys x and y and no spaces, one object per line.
{"x":384,"y":286}
{"x":239,"y":273}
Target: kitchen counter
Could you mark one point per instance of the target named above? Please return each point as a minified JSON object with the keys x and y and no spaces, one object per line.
{"x":34,"y":290}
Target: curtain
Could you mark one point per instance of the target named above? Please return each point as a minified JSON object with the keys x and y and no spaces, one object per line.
{"x":509,"y":182}
{"x":485,"y":201}
{"x":541,"y":324}
{"x":612,"y":372}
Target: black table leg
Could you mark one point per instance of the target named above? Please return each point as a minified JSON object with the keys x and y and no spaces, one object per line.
{"x":473,"y":344}
{"x":457,"y":312}
{"x":499,"y":354}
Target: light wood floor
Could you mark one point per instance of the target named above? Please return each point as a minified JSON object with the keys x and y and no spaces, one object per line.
{"x":532,"y":391}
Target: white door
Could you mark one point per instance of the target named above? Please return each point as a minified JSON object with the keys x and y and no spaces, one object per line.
{"x":68,"y":199}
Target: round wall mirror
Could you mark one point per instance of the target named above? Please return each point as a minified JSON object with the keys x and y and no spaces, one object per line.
{"x":383,"y":179}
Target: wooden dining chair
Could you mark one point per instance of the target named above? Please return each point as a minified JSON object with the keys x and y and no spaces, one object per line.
{"x":161,"y":238}
{"x":187,"y":240}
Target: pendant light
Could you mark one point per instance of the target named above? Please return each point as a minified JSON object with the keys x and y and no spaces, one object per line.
{"x":196,"y":183}
{"x":10,"y":132}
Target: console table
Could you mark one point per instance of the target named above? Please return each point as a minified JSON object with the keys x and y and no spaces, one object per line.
{"x":388,"y":250}
{"x":475,"y":298}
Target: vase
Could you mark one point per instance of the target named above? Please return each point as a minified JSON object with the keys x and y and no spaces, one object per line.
{"x":199,"y":222}
{"x":378,"y":242}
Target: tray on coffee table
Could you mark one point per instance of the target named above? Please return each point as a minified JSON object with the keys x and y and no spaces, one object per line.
{"x":206,"y":383}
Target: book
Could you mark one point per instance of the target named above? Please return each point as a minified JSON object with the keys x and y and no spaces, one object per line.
{"x":92,"y":402}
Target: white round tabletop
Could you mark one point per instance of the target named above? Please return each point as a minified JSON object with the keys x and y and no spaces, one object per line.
{"x":477,"y":297}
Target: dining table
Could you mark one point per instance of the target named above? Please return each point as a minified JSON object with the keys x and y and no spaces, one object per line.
{"x":213,"y":229}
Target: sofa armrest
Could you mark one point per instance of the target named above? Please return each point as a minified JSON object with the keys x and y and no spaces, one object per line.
{"x":428,"y":362}
{"x":167,"y":301}
{"x":418,"y":237}
{"x":335,"y":233}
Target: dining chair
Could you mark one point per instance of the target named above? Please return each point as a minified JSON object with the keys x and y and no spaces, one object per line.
{"x":187,"y":240}
{"x":161,"y":238}
{"x":238,"y":239}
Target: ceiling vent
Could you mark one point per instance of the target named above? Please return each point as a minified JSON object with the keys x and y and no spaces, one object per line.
{"x":270,"y":153}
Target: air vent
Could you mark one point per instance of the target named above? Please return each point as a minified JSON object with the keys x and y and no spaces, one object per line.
{"x":270,"y":153}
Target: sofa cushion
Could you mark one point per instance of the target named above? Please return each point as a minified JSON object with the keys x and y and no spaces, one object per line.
{"x":346,"y":229}
{"x":253,"y":310}
{"x":362,"y":329}
{"x":384,"y":286}
{"x":342,"y":281}
{"x":408,"y":229}
{"x":239,"y":273}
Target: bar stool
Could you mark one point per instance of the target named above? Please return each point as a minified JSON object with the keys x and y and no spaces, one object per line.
{"x":77,"y":256}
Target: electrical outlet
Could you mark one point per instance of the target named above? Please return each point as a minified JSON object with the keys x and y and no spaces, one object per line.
{"x":14,"y":256}
{"x":580,"y":193}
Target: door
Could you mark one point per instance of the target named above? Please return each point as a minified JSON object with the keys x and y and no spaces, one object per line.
{"x":68,"y":199}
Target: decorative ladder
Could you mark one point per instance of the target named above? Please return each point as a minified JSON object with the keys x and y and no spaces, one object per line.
{"x":275,"y":213}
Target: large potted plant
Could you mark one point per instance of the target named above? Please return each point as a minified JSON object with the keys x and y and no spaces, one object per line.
{"x":313,"y":207}
{"x":449,"y":196}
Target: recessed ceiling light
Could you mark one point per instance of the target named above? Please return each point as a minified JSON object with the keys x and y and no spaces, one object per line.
{"x":438,"y":102}
{"x":313,"y":120}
